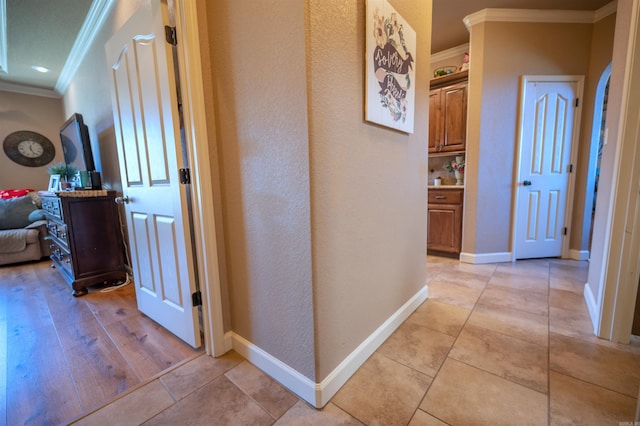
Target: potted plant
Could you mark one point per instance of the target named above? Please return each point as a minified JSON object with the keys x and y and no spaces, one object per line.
{"x":456,"y":166}
{"x":66,"y":171}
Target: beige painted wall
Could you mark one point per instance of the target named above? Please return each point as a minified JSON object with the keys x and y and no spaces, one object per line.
{"x":606,"y":191}
{"x":367,"y":183}
{"x":37,"y":114}
{"x":259,"y":74}
{"x":601,"y":52}
{"x":507,"y":52}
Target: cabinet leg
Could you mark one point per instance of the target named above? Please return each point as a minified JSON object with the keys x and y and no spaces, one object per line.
{"x":78,"y":293}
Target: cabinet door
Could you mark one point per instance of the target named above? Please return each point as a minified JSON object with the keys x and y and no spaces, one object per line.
{"x":444,"y":224}
{"x":435,"y":121}
{"x":454,"y":117}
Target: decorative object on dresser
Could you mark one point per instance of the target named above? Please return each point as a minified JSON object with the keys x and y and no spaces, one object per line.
{"x":444,"y":221}
{"x":86,"y":242}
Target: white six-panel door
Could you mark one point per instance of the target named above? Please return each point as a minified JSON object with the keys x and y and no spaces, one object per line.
{"x":147,"y":132}
{"x":548,"y":125}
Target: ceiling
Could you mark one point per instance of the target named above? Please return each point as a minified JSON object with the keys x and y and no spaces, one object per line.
{"x":43,"y":33}
{"x":449,"y":31}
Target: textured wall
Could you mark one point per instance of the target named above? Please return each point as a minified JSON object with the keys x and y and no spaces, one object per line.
{"x":258,"y":60}
{"x":36,"y":114}
{"x":509,"y":51}
{"x":367,"y":183}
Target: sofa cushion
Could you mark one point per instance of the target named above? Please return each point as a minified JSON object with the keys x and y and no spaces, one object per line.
{"x":37,"y":214}
{"x":14,"y":213}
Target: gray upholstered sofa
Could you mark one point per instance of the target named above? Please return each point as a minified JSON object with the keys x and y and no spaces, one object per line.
{"x":22,"y":230}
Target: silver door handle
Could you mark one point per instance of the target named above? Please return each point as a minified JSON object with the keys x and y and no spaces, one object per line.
{"x":122,"y":200}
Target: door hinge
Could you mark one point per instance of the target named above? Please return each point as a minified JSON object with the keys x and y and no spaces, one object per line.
{"x":564,"y":231}
{"x":196,"y":298}
{"x":185,"y":176}
{"x":170,"y":35}
{"x":570,"y":168}
{"x":577,"y":102}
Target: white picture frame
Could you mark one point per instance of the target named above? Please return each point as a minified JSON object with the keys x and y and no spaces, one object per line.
{"x":54,"y":183}
{"x":390,"y":68}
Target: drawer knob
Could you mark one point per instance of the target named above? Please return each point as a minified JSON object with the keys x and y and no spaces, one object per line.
{"x":440,"y":197}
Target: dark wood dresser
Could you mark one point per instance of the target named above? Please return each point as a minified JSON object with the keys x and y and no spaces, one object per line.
{"x":85,"y":238}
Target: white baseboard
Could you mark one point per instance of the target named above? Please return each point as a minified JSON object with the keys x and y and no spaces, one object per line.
{"x":485,"y":257}
{"x":319,"y":394}
{"x":579,"y":254}
{"x":592,"y":307}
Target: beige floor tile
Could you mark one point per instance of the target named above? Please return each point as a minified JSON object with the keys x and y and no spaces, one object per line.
{"x":567,"y":300}
{"x":569,"y":269}
{"x":562,"y":283}
{"x":533,"y":283}
{"x":219,"y":402}
{"x":532,"y":328}
{"x":262,"y":388}
{"x":304,"y":414}
{"x":480,"y":270}
{"x":198,"y":372}
{"x":132,"y":409}
{"x":574,"y":402}
{"x":527,"y":301}
{"x":529,"y":268}
{"x":607,"y":367}
{"x":417,"y":347}
{"x":570,"y":323}
{"x":442,"y":317}
{"x":521,"y":362}
{"x":466,"y":279}
{"x":382,"y":392}
{"x":420,"y":418}
{"x":453,"y":294}
{"x":464,"y":395}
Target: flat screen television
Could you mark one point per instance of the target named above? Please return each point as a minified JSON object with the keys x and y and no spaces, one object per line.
{"x":76,"y":145}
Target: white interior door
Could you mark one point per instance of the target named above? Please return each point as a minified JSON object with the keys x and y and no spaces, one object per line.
{"x":149,"y":153}
{"x":548,"y":124}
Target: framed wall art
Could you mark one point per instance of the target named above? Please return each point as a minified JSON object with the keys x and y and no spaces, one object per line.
{"x":390,"y":67}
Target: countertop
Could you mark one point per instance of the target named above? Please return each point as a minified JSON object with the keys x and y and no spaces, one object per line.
{"x":445,"y":187}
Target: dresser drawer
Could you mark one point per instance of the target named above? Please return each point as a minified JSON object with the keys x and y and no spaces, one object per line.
{"x":445,"y":196}
{"x":58,"y":230}
{"x":61,"y":257}
{"x":52,"y":206}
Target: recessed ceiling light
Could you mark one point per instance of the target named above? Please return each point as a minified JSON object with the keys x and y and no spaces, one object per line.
{"x":40,"y":69}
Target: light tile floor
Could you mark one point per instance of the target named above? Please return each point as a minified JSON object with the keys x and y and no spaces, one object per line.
{"x":501,"y":344}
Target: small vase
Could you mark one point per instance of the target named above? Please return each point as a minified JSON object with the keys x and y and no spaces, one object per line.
{"x":458,"y":177}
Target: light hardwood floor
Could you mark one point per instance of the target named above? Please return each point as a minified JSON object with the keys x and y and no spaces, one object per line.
{"x":66,"y":356}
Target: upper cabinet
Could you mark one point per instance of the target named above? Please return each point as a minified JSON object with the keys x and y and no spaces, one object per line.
{"x":448,"y":114}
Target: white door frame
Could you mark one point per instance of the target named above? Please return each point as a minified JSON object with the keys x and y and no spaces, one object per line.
{"x":616,"y":301}
{"x":579,"y":79}
{"x":198,"y":150}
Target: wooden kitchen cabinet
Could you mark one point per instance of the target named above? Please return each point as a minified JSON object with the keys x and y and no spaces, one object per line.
{"x":444,"y":220}
{"x":448,"y":114}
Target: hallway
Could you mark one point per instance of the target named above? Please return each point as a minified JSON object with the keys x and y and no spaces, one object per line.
{"x":493,"y":344}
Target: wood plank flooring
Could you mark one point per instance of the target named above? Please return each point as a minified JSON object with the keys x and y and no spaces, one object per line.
{"x":61,"y":356}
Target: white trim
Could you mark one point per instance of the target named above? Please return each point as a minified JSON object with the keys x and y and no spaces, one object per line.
{"x":28,"y":90}
{"x":319,"y":394}
{"x":198,"y":140}
{"x":578,"y":254}
{"x":539,"y":15}
{"x":4,"y":66}
{"x":480,"y":258}
{"x":452,"y":53}
{"x":98,"y":12}
{"x":592,"y":307}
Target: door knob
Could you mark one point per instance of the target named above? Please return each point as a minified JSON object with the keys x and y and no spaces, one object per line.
{"x":526,"y":183}
{"x":122,"y":200}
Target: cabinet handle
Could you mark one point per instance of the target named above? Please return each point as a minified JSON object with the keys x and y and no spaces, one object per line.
{"x":440,"y":197}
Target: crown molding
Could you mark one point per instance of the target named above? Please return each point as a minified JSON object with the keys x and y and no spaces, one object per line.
{"x":537,"y":15}
{"x":28,"y":90}
{"x":454,"y":52}
{"x":93,"y":23}
{"x":3,"y":36}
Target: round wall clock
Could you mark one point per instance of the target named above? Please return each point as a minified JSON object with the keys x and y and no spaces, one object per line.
{"x":29,"y":149}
